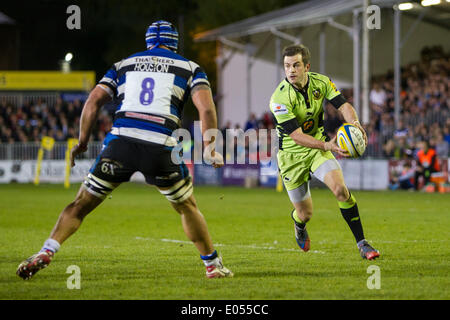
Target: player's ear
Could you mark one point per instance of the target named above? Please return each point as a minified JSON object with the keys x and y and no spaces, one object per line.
{"x":307,"y":67}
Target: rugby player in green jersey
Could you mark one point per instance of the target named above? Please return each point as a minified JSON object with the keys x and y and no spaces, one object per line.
{"x":304,"y":148}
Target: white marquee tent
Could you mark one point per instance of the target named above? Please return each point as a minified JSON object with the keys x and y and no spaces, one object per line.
{"x":342,"y":47}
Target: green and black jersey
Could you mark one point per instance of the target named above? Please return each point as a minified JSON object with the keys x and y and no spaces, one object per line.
{"x":294,"y":108}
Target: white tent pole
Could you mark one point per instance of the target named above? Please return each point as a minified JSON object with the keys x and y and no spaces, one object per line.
{"x":285,"y":36}
{"x":322,"y":49}
{"x":356,"y":71}
{"x":365,"y":66}
{"x":277,"y":59}
{"x":397,"y":49}
{"x":232,"y":44}
{"x":341,"y":26}
{"x":249,"y":62}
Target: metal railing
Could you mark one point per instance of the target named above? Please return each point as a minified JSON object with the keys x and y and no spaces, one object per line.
{"x":29,"y":151}
{"x":20,"y":98}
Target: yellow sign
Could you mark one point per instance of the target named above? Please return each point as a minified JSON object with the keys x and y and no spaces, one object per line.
{"x":71,"y":142}
{"x":47,"y":80}
{"x":47,"y":144}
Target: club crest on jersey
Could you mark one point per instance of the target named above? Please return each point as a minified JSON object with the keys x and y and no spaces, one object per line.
{"x":317,"y":94}
{"x":279,"y":109}
{"x":308,"y":125}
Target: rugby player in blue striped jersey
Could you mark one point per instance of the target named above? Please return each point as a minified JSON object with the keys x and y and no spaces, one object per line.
{"x":150,"y":88}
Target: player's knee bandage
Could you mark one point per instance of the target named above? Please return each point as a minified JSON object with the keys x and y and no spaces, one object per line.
{"x":98,"y":187}
{"x":180,"y":191}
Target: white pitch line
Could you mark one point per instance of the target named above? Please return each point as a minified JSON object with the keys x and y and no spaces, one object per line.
{"x":387,"y":241}
{"x":251,"y":246}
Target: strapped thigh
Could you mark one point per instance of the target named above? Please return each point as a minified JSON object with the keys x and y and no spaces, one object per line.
{"x":326,"y":167}
{"x":98,"y":187}
{"x":180,"y":191}
{"x":299,"y":194}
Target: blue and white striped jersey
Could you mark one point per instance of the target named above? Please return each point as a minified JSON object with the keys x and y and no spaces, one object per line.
{"x":151,"y":88}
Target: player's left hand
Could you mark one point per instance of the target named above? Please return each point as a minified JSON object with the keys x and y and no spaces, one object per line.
{"x":214,"y":158}
{"x":78,"y":149}
{"x":359,"y":126}
{"x":333,"y":147}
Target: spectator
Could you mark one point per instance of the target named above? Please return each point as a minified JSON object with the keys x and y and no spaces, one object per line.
{"x":442,"y":146}
{"x":427,"y":163}
{"x":405,"y":180}
{"x":424,"y":114}
{"x":447,"y":134}
{"x":377,"y":95}
{"x":389,"y":149}
{"x":251,"y":123}
{"x":401,"y":131}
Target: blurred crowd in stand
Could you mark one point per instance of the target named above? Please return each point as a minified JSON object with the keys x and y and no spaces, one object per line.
{"x":31,"y":121}
{"x":422,"y":139}
{"x":424,"y":110}
{"x":424,"y":116}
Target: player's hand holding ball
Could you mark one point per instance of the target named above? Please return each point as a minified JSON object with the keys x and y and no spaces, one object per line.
{"x":358,"y":125}
{"x":334,"y":147}
{"x":352,"y":139}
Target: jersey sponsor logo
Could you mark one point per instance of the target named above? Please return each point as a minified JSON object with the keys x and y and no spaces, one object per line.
{"x":151,"y":67}
{"x":333,"y":86}
{"x":109,"y":167}
{"x":278,"y":109}
{"x":154,"y":59}
{"x":308,"y":125}
{"x":145,"y":117}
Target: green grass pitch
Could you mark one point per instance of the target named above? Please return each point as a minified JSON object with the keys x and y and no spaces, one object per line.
{"x":133,"y":246}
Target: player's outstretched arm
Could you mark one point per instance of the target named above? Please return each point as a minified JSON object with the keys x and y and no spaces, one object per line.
{"x":350,"y":116}
{"x":97,"y":98}
{"x":203,"y":101}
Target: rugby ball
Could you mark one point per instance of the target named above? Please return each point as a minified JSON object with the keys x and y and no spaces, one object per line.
{"x":350,"y":138}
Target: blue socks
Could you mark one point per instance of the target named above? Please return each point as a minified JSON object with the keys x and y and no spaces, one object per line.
{"x":209,"y":259}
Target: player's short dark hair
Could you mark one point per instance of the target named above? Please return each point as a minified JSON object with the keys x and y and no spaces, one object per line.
{"x":298,"y":49}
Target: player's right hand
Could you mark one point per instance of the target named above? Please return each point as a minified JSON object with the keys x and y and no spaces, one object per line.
{"x":214,"y":158}
{"x":78,"y":149}
{"x":333,"y":147}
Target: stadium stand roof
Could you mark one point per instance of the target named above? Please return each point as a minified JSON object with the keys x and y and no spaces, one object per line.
{"x":4,"y":19}
{"x":314,"y":12}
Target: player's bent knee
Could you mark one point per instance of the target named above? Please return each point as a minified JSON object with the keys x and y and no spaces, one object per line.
{"x":304,"y":210}
{"x":305,"y":215}
{"x":180,"y":192}
{"x":341,"y":192}
{"x":98,"y":187}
